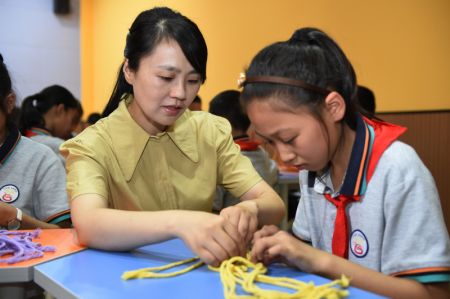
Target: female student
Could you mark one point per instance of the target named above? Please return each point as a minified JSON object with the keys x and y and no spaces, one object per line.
{"x":32,"y":181}
{"x":369,"y":208}
{"x":148,"y":170}
{"x":50,"y":116}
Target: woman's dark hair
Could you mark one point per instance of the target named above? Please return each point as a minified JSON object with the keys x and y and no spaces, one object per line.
{"x":5,"y":85}
{"x":227,"y":105}
{"x":148,"y":29}
{"x":35,"y":106}
{"x":312,"y":57}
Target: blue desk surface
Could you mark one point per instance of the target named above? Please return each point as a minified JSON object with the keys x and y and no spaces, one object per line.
{"x":97,"y":274}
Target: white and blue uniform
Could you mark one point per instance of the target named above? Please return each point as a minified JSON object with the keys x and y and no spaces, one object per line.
{"x":33,"y":179}
{"x":45,"y":137}
{"x":396,"y":227}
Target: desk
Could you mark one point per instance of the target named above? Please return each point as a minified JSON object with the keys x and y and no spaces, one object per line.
{"x":97,"y":274}
{"x":16,"y":279}
{"x":286,"y":179}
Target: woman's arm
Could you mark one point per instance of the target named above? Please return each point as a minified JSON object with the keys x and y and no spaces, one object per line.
{"x":271,"y":244}
{"x":260,"y":205}
{"x":210,"y":236}
{"x":270,"y":206}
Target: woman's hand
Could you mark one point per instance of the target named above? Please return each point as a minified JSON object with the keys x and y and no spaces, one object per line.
{"x":213,"y":238}
{"x":244,"y":216}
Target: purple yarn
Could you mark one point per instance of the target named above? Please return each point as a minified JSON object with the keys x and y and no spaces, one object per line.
{"x":21,"y":246}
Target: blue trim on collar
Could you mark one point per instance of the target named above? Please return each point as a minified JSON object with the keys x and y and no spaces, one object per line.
{"x":363,"y":132}
{"x":311,"y":178}
{"x":351,"y":176}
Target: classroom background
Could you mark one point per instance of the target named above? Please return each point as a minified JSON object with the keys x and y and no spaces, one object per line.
{"x":399,"y":48}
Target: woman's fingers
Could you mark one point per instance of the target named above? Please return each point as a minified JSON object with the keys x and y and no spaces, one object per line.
{"x":247,"y":228}
{"x":244,"y":223}
{"x":240,"y":243}
{"x":221,"y":239}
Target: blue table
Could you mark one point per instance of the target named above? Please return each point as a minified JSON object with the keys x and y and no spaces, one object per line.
{"x":97,"y":274}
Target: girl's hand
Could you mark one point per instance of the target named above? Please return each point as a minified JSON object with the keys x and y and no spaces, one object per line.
{"x":213,"y":238}
{"x":266,"y":231}
{"x":7,"y":212}
{"x":273,"y":245}
{"x":244,"y":216}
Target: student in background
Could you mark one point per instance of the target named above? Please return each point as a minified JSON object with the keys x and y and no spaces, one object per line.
{"x":148,"y":170}
{"x":78,"y":123}
{"x":50,"y":116}
{"x":93,"y":118}
{"x":369,"y":207}
{"x":196,"y":104}
{"x":226,"y":104}
{"x":32,"y":181}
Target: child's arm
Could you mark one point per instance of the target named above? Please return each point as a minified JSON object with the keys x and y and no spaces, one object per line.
{"x":271,"y":244}
{"x":8,"y":212}
{"x":392,"y":287}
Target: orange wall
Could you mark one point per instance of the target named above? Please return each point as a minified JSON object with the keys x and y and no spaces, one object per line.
{"x":399,"y":48}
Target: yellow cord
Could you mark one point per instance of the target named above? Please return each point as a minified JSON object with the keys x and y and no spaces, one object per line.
{"x":241,"y":271}
{"x":153,"y":271}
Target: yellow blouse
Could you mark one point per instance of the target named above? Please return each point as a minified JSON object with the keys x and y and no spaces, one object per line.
{"x":177,"y":169}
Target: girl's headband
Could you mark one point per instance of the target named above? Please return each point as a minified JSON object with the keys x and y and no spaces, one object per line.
{"x":243,"y":80}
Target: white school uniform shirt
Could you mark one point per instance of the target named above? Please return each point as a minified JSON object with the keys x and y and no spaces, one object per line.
{"x":33,"y":179}
{"x":397,"y":227}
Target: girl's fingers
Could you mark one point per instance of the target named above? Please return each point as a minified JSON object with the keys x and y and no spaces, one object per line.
{"x":259,"y":249}
{"x":267,"y":230}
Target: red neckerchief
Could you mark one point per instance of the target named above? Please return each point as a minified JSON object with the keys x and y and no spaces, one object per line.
{"x":246,"y":144}
{"x":373,"y":138}
{"x":36,"y":131}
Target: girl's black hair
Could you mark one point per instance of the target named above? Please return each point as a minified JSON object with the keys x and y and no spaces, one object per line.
{"x":5,"y":87}
{"x":35,"y":106}
{"x":309,"y":55}
{"x":148,"y":29}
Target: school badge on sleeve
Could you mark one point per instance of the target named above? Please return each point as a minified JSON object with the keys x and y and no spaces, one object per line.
{"x":9,"y":193}
{"x":359,"y":244}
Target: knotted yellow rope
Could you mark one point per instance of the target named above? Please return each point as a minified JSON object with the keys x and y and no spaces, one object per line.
{"x":241,"y":271}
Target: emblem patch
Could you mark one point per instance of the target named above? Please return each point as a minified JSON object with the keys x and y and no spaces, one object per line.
{"x":359,"y":244}
{"x":9,"y":193}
